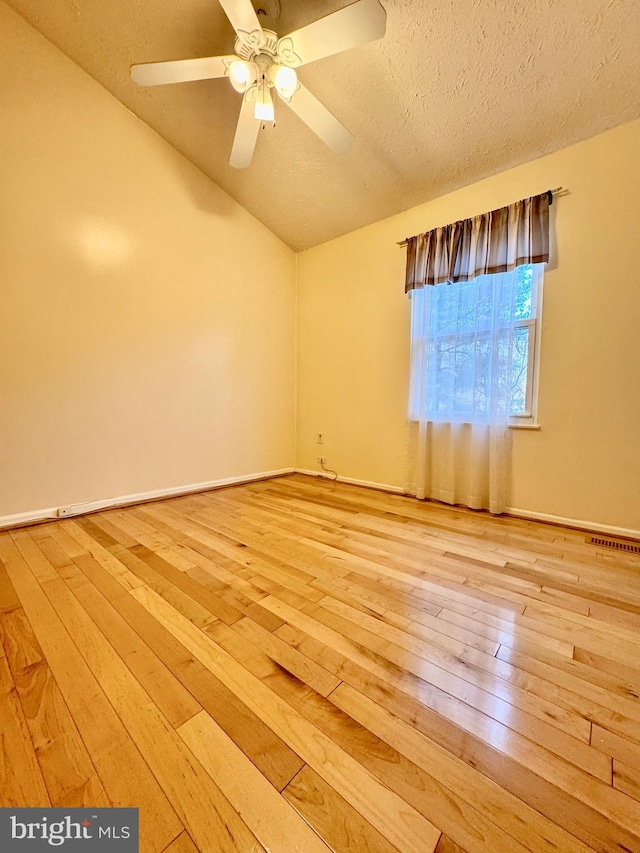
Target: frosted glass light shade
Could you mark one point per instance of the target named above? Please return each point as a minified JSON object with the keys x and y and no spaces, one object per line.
{"x":242,"y":75}
{"x":284,"y":79}
{"x":264,"y":104}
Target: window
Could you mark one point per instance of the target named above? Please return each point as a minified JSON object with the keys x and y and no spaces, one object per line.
{"x":475,"y":346}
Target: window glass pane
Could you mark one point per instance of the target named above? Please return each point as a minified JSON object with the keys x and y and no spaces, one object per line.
{"x":481,"y":300}
{"x":470,"y":358}
{"x":519,"y":370}
{"x":459,"y":377}
{"x":524,"y":293}
{"x":444,"y":309}
{"x":463,"y":307}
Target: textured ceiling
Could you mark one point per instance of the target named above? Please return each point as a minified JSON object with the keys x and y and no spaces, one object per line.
{"x":456,"y":90}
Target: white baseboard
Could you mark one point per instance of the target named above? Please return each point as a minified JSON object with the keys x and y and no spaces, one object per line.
{"x":383,"y":487}
{"x":596,"y":527}
{"x":23,"y":518}
{"x":51,"y":513}
{"x":588,"y":526}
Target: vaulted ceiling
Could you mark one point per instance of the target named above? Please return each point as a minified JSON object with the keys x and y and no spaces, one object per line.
{"x":455,"y":91}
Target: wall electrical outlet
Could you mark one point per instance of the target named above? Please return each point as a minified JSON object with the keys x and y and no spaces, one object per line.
{"x":322,"y":459}
{"x":320,"y":438}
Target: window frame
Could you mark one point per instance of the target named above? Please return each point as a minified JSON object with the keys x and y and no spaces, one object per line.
{"x":528,"y":419}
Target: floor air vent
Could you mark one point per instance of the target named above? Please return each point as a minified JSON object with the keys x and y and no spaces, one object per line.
{"x":619,"y":546}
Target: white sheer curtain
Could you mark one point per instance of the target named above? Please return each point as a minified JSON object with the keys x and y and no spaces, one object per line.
{"x":470,"y":348}
{"x":469,"y":358}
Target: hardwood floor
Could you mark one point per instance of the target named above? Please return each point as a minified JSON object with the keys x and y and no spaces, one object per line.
{"x":300,"y":665}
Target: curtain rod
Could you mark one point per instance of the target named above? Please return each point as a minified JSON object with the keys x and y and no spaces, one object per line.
{"x":558,"y":191}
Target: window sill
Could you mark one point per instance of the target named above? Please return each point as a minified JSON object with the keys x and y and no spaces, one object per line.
{"x":525,"y":426}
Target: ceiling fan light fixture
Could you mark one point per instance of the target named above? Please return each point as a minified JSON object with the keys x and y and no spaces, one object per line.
{"x":242,"y":75}
{"x":264,"y":104}
{"x":284,"y":79}
{"x":262,"y":61}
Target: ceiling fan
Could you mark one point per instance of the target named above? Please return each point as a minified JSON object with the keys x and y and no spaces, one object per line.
{"x":263,"y":62}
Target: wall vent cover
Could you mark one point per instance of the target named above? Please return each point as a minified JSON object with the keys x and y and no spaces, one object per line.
{"x":619,"y":546}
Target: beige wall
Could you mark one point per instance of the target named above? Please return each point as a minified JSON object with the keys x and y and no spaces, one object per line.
{"x":148,"y":321}
{"x":353,"y":333}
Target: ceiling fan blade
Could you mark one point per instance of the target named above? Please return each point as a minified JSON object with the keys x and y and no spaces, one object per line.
{"x":180,"y":70}
{"x":325,"y":125}
{"x":244,"y":142}
{"x":242,"y":15}
{"x":357,"y":24}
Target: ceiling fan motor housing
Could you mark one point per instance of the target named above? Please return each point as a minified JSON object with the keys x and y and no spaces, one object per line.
{"x":249,"y":45}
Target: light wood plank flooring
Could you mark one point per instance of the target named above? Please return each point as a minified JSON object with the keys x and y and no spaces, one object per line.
{"x":300,"y":665}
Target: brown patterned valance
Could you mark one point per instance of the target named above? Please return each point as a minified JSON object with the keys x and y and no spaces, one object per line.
{"x":493,"y":242}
